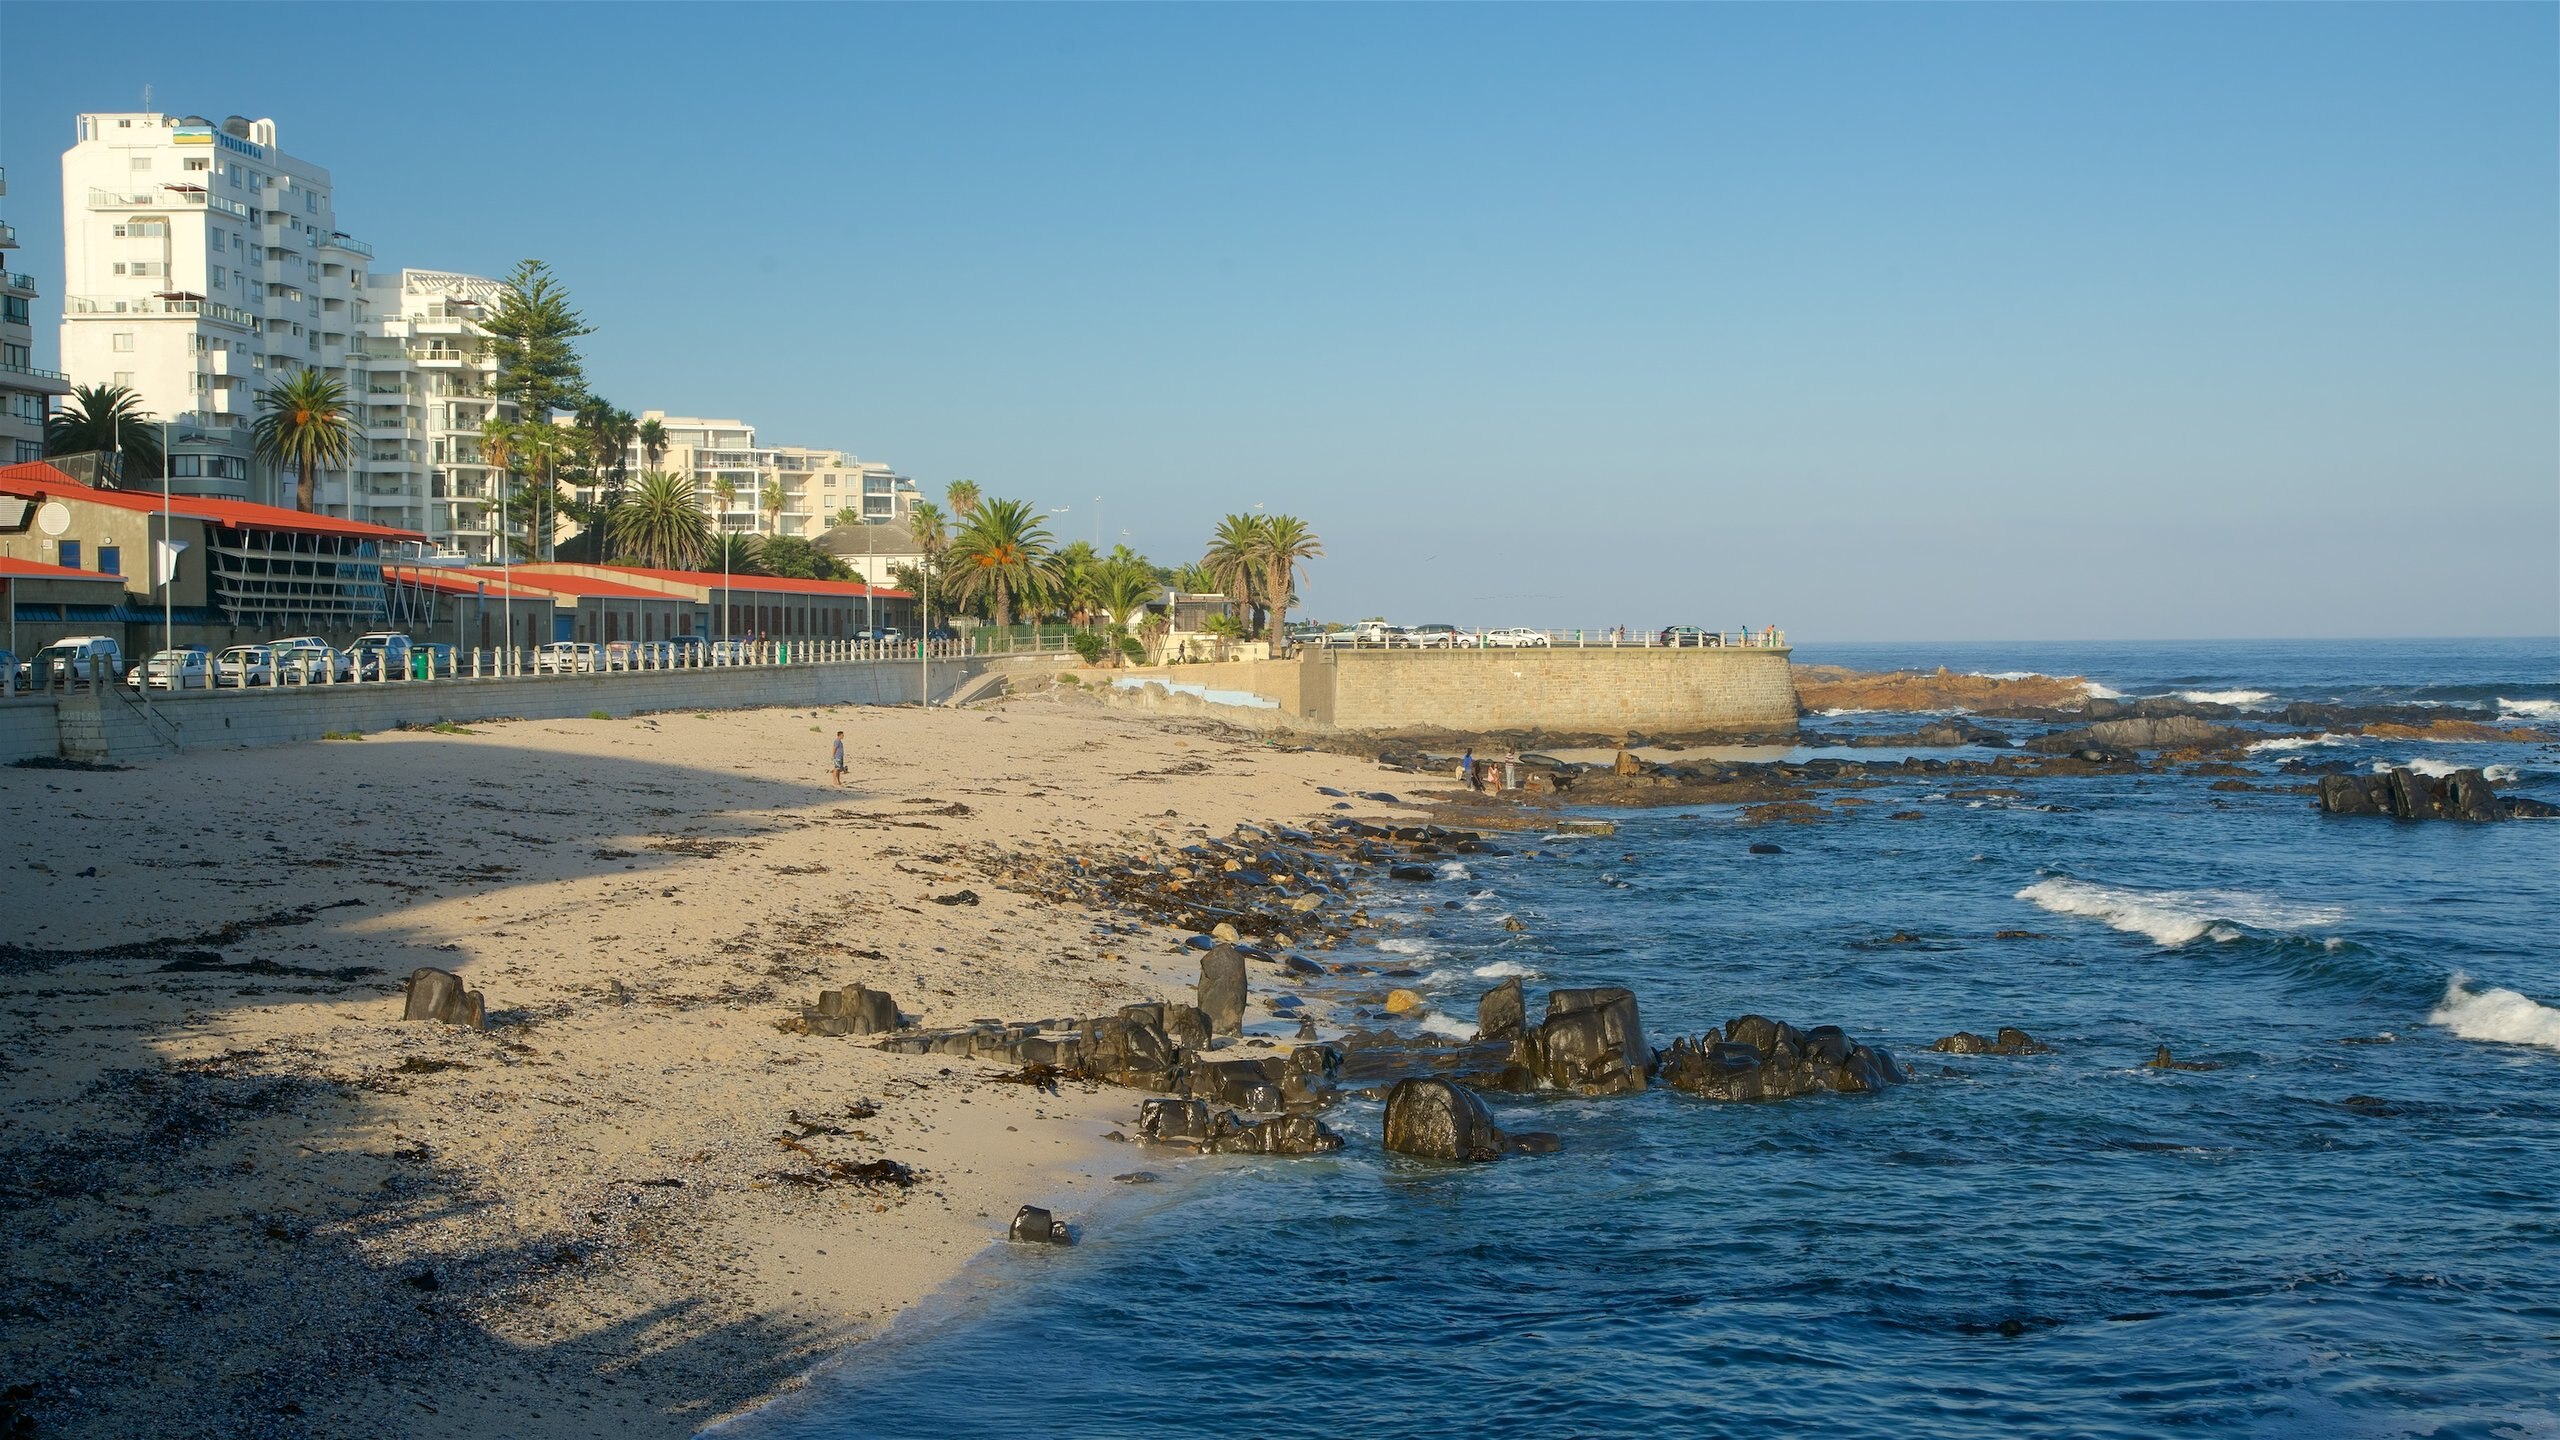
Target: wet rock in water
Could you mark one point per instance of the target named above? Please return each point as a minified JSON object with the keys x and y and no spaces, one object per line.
{"x":1300,"y":965}
{"x":438,"y":995}
{"x":2525,"y":807}
{"x":2010,"y":1041}
{"x":1306,"y":1027}
{"x":1173,"y":1120}
{"x":2405,"y":794}
{"x":1403,"y":1002}
{"x":1766,"y":848}
{"x":1310,"y":1074}
{"x":854,"y":1010}
{"x":1282,"y":1135}
{"x":1587,"y":827}
{"x":1250,"y":1084}
{"x":2148,"y":732}
{"x":1592,"y":1043}
{"x":1137,"y":1177}
{"x":1222,"y":989}
{"x":1757,"y":1058}
{"x":1502,"y":1014}
{"x":1440,"y":1120}
{"x":1533,"y":1142}
{"x":1035,"y":1226}
{"x":1131,"y":1049}
{"x":1415,"y":873}
{"x":2161,"y":1059}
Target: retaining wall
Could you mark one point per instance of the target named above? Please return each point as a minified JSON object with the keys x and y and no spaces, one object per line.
{"x":112,"y":725}
{"x":1677,"y":691}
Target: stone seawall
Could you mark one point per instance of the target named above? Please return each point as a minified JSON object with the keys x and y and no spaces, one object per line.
{"x":1567,"y":688}
{"x":85,"y":725}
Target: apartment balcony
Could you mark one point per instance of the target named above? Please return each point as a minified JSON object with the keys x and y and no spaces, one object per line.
{"x":9,"y":239}
{"x":33,"y":373}
{"x":23,"y":284}
{"x":442,"y":357}
{"x":349,"y":244}
{"x":77,"y":305}
{"x":168,"y":197}
{"x":389,"y":429}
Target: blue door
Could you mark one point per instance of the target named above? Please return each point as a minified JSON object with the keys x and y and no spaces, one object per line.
{"x":564,"y":627}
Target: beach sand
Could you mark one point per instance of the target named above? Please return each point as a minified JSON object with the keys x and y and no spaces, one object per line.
{"x":243,"y":1198}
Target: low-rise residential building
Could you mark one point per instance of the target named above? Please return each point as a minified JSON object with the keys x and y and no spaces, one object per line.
{"x":236,"y":571}
{"x":735,"y":478}
{"x":874,"y":552}
{"x":27,"y":390}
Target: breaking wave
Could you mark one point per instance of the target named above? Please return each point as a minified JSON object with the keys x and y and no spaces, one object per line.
{"x":2298,"y":742}
{"x":2498,"y":1015}
{"x":1455,"y":870}
{"x":2438,"y":769}
{"x":1405,"y":945}
{"x":2226,"y":697}
{"x":2179,"y":917}
{"x":2527,"y":709}
{"x":2101,"y":692}
{"x":1436,"y":1023}
{"x":1503,"y":970}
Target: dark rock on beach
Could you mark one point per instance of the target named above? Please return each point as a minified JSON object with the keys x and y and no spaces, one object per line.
{"x":1222,"y":989}
{"x":1035,"y":1226}
{"x":853,"y":1010}
{"x":2009,"y":1041}
{"x":438,"y":995}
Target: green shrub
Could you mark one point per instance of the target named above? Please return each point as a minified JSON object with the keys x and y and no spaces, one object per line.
{"x":340,"y":735}
{"x":1135,"y":653}
{"x":1087,"y":645}
{"x":1067,"y":679}
{"x":599,"y":714}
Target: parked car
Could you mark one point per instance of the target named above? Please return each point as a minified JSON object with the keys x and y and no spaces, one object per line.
{"x":298,"y":642}
{"x":1690,"y":635}
{"x":1516,"y":638}
{"x":942,"y":633}
{"x":881,"y":635}
{"x":1435,"y":637}
{"x":71,"y":660}
{"x":309,"y":664}
{"x":10,"y":668}
{"x":384,"y":654}
{"x":567,"y":657}
{"x":244,"y":665}
{"x":187,"y":668}
{"x":688,"y":651}
{"x":730,"y":652}
{"x":638,"y":655}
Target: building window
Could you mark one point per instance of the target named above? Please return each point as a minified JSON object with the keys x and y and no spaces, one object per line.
{"x":14,"y":307}
{"x":194,"y":163}
{"x":141,"y":162}
{"x":29,"y":450}
{"x":66,"y":554}
{"x":121,"y":342}
{"x":125,"y":378}
{"x":110,"y":559}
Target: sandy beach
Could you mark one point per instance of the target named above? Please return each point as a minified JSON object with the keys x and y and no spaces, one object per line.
{"x":244,"y":1198}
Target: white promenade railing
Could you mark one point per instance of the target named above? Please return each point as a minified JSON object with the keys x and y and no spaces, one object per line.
{"x":450,"y":667}
{"x":1611,"y":638}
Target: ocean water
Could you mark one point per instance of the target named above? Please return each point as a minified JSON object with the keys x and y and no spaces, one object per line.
{"x":2351,"y":1228}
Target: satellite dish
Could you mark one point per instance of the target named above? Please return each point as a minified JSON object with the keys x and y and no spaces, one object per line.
{"x":53,"y":517}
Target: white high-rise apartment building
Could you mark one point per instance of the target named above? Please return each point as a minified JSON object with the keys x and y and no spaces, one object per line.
{"x":26,"y":392}
{"x":201,"y":265}
{"x":428,"y":385}
{"x":815,"y":485}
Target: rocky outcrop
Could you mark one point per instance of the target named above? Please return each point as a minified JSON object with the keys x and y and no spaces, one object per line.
{"x":1592,"y":1043}
{"x":1757,"y":1058}
{"x":438,"y":995}
{"x":1222,"y":989}
{"x":1280,"y":1135}
{"x":1502,"y":1014}
{"x":2009,"y":1041}
{"x":1440,"y":1120}
{"x":2149,"y":732}
{"x":2407,"y":795}
{"x":853,"y":1010}
{"x":1829,"y":687}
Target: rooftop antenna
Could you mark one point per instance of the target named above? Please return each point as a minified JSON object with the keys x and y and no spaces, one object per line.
{"x":146,"y":97}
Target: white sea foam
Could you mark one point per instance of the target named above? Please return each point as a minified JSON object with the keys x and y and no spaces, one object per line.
{"x":2178,"y":917}
{"x":1504,"y":969}
{"x":1436,"y":1023}
{"x":2003,"y":674}
{"x":2439,"y":769}
{"x":1406,"y":945}
{"x":2226,"y":697}
{"x":2527,"y":709}
{"x":2101,"y":692}
{"x":2494,"y":1014}
{"x":1455,"y":870}
{"x":2298,"y":742}
{"x":1847,"y":710}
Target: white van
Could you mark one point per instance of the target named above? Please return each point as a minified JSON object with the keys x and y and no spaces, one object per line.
{"x":73,"y":659}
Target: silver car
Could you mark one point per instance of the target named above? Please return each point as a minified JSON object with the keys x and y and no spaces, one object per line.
{"x":245,"y":665}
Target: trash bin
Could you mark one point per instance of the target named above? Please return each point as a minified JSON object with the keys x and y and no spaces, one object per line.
{"x":421,"y":665}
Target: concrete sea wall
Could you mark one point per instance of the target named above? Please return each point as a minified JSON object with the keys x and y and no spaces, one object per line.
{"x":115,"y":726}
{"x":1565,"y":688}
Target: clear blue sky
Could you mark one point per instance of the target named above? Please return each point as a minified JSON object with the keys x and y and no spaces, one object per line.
{"x":1877,"y":323}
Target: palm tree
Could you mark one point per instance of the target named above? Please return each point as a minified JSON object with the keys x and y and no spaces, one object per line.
{"x":1125,"y":588}
{"x":302,"y":422}
{"x":1225,"y":628}
{"x":1079,"y":573}
{"x":541,"y":444}
{"x":963,"y":497}
{"x":1287,"y":544}
{"x":1195,"y":579}
{"x":738,"y":554}
{"x":652,"y":435}
{"x":1235,"y":560}
{"x":108,"y":419}
{"x":771,"y":496}
{"x":661,"y":525}
{"x":925,"y":522}
{"x":1002,"y":556}
{"x":846,"y":517}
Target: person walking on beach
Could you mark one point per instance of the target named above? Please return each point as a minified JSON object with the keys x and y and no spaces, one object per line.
{"x":839,"y":757}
